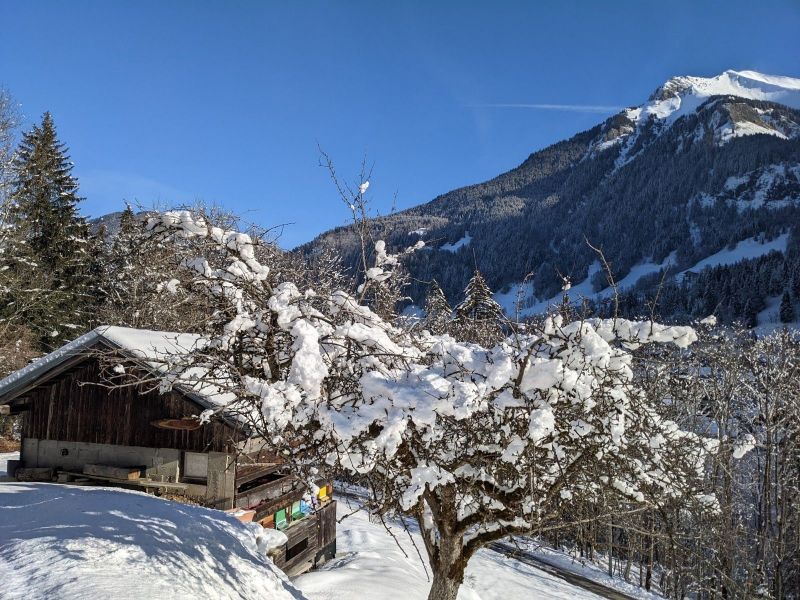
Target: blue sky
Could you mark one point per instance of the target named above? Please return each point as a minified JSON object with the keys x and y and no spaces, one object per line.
{"x":170,"y":102}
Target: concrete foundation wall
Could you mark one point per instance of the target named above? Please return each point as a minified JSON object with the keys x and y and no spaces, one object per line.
{"x":221,"y":479}
{"x":162,"y":464}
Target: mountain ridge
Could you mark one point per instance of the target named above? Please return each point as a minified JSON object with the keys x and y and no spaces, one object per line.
{"x":689,"y":172}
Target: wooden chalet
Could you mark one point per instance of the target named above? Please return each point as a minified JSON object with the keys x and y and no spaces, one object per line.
{"x":78,"y":429}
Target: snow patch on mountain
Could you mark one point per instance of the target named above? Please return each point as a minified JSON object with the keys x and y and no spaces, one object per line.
{"x":740,"y":129}
{"x":683,"y":95}
{"x":456,"y":246}
{"x":746,"y":249}
{"x":771,"y":186}
{"x":520,"y":297}
{"x":584,"y":289}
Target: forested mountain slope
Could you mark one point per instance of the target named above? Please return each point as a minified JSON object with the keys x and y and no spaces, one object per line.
{"x":703,"y":165}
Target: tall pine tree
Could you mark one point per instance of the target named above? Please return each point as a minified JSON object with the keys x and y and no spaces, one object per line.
{"x":52,"y":246}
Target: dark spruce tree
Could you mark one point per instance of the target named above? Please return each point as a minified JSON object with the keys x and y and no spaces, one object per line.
{"x":53,"y":248}
{"x":438,"y":313}
{"x":786,"y":312}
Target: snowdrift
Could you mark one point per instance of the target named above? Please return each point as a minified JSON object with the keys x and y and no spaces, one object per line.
{"x":62,"y":543}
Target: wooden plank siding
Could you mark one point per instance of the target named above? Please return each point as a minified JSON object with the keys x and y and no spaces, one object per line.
{"x":64,"y":409}
{"x":319,"y":528}
{"x":327,"y":524}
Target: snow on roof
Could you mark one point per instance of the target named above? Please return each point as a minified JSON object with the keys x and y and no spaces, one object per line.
{"x":103,"y":543}
{"x":155,"y":349}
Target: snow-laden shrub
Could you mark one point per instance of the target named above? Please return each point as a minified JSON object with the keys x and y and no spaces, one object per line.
{"x":474,"y":442}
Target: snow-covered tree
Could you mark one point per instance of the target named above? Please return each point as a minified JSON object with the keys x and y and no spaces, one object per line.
{"x":131,"y":275}
{"x":438,"y":313}
{"x":474,"y":443}
{"x":8,"y":126}
{"x":49,"y":245}
{"x":479,"y":317}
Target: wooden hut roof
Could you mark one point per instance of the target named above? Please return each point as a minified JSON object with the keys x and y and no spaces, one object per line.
{"x":157,"y":351}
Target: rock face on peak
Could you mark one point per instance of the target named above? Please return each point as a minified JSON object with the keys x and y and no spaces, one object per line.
{"x":744,"y":84}
{"x":704,"y":165}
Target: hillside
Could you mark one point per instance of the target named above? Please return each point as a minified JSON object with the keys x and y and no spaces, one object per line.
{"x":703,"y":165}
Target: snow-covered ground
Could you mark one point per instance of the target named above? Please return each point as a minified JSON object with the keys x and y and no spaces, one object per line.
{"x":4,"y":458}
{"x":595,"y":571}
{"x":67,"y":542}
{"x":371,"y":564}
{"x":61,"y":542}
{"x":769,"y":319}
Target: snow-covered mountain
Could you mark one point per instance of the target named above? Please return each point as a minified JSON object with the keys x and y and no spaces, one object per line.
{"x":681,"y":96}
{"x":701,"y":166}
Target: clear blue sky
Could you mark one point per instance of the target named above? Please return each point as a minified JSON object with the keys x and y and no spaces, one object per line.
{"x":226,"y":101}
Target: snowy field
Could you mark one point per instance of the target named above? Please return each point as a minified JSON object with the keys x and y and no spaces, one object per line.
{"x":66,"y":542}
{"x":62,"y":542}
{"x":370,"y":564}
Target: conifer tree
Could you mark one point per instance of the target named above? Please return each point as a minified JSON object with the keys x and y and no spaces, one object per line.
{"x":438,"y":313}
{"x":479,"y":317}
{"x":786,"y":309}
{"x":51,"y":247}
{"x":8,"y":127}
{"x":132,"y":279}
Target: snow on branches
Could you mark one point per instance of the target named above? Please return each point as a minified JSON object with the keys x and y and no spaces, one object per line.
{"x":475,"y":442}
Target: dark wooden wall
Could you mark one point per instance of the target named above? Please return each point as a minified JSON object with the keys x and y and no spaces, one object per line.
{"x":63,"y":409}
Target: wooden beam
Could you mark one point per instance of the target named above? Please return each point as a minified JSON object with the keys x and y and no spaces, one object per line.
{"x":13,"y":409}
{"x":126,"y":473}
{"x":34,"y":474}
{"x":185,"y":424}
{"x":143,"y":483}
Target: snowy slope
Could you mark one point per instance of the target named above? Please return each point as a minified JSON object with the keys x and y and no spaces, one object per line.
{"x":456,"y":246}
{"x":583,"y":289}
{"x":746,"y":249}
{"x":768,"y":320}
{"x":370,"y":564}
{"x":681,"y":95}
{"x":62,"y":542}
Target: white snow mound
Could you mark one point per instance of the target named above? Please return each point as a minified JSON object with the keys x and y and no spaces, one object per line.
{"x":61,"y":542}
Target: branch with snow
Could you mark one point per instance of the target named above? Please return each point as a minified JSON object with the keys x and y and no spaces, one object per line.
{"x":475,"y":442}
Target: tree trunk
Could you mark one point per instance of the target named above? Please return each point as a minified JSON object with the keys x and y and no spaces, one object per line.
{"x":443,"y":588}
{"x":448,"y":568}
